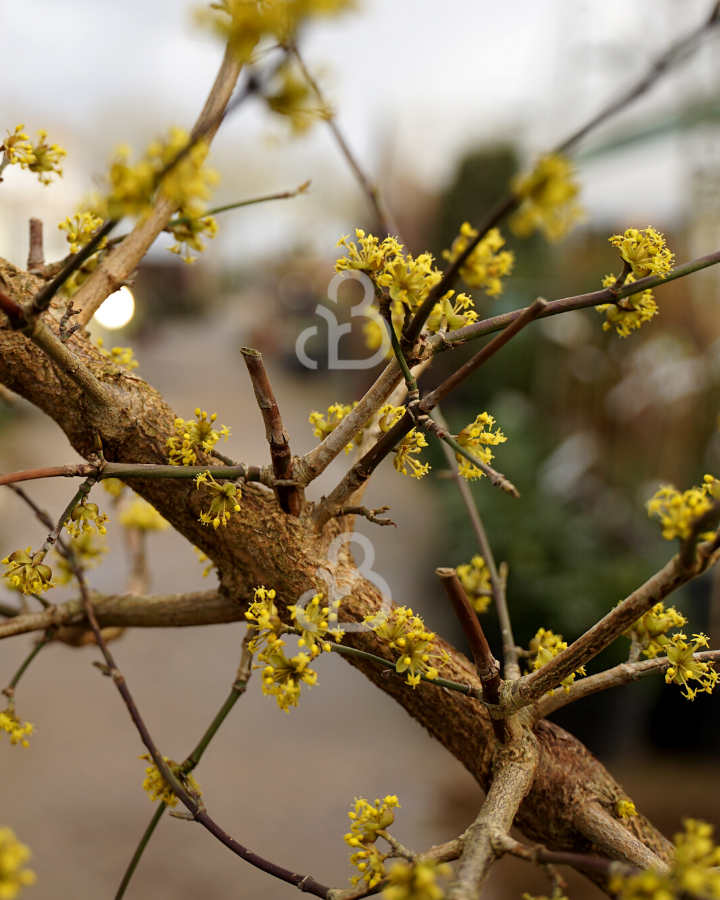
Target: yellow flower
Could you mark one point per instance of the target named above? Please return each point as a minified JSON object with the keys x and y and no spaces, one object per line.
{"x":477,"y":438}
{"x":650,"y":629}
{"x":86,"y":517}
{"x":19,"y":733}
{"x":406,"y":634}
{"x":18,"y":149}
{"x":448,"y":315}
{"x":547,"y":196}
{"x":188,"y":230}
{"x":630,"y":312}
{"x":113,"y":486}
{"x":409,"y":280}
{"x":225,"y":499}
{"x":141,"y":515}
{"x":475,"y":579}
{"x":87,"y":550}
{"x":366,"y":820}
{"x":545,"y":646}
{"x":46,"y":161}
{"x":323,"y":425}
{"x":486,"y":265}
{"x":314,"y":622}
{"x":13,"y":856}
{"x":282,"y":678}
{"x":416,"y":881}
{"x":370,"y":256}
{"x":262,"y":615}
{"x":27,"y":572}
{"x":677,"y":512}
{"x":158,"y":789}
{"x":683,"y":668}
{"x":624,"y":809}
{"x":645,"y":251}
{"x":202,"y":558}
{"x":121,"y":356}
{"x":195,"y":436}
{"x":407,"y":447}
{"x":80,"y":229}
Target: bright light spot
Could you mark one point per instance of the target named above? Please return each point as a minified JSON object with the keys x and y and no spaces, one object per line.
{"x":117,"y":310}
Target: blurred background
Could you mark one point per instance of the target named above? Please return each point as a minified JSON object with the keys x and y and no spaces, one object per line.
{"x":442,"y":104}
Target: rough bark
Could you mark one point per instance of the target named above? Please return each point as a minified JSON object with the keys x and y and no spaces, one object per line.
{"x":263,"y":545}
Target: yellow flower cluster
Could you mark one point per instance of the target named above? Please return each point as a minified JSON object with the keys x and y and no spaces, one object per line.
{"x":693,"y":871}
{"x":416,"y":881}
{"x":644,"y":249}
{"x":683,"y":668}
{"x":41,"y":157}
{"x":27,"y":572}
{"x":225,"y":499}
{"x":411,"y":444}
{"x":158,"y":789}
{"x":650,"y":630}
{"x":244,"y":23}
{"x":487,"y":263}
{"x":282,"y":678}
{"x":87,"y":550}
{"x":314,"y":621}
{"x":547,"y":196}
{"x":406,"y":634}
{"x":188,"y":232}
{"x":262,"y":615}
{"x":323,"y":425}
{"x":85,"y":519}
{"x":477,"y":438}
{"x":80,"y":229}
{"x":113,"y":486}
{"x":121,"y":356}
{"x":141,"y":515}
{"x":290,"y":96}
{"x":13,"y":874}
{"x":629,"y":313}
{"x":678,"y":511}
{"x":19,"y":733}
{"x":195,"y":436}
{"x":475,"y":579}
{"x":624,"y":809}
{"x":545,"y":646}
{"x":366,"y":821}
{"x":449,"y":314}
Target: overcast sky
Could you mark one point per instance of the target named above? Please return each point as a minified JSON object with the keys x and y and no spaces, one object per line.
{"x":428,"y":79}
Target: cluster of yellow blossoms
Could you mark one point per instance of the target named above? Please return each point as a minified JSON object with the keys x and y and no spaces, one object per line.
{"x":477,"y":438}
{"x":13,"y":874}
{"x":27,"y":571}
{"x":158,"y":789}
{"x":85,"y":519}
{"x":142,"y":516}
{"x":545,"y":646}
{"x":368,"y":822}
{"x":245,"y":23}
{"x":475,"y":579}
{"x":645,"y":251}
{"x":547,"y":196}
{"x":87,"y":549}
{"x":624,"y":809}
{"x":487,"y":263}
{"x":19,"y":731}
{"x":650,"y":629}
{"x":678,"y":511}
{"x":406,"y":634}
{"x":683,"y":668}
{"x":323,"y":425}
{"x":225,"y":499}
{"x":629,"y":313}
{"x":407,"y":447}
{"x":451,"y":313}
{"x":41,"y":157}
{"x":121,"y":356}
{"x":195,"y":436}
{"x":282,"y":677}
{"x":693,"y":871}
{"x":80,"y":229}
{"x":416,"y":881}
{"x":188,"y":231}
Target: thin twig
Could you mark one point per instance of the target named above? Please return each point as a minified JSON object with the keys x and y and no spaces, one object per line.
{"x":511,"y":669}
{"x":36,"y":254}
{"x":290,"y":499}
{"x":372,"y":515}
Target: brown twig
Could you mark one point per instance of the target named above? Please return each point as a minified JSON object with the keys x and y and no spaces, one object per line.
{"x":372,"y":515}
{"x":36,"y":254}
{"x":702,"y":523}
{"x":540,"y":854}
{"x":290,"y":498}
